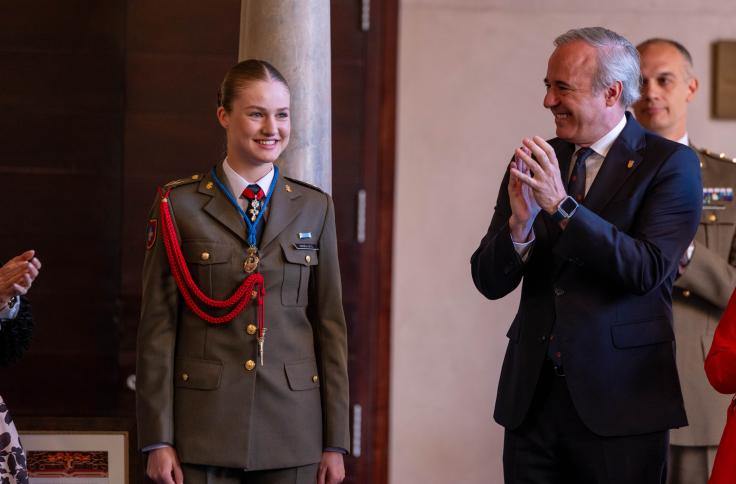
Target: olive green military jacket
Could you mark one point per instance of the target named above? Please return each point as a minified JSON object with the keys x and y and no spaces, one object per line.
{"x":197,"y":386}
{"x":698,"y":300}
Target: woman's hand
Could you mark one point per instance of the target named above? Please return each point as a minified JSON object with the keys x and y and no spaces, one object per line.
{"x":164,"y":467}
{"x":331,"y":468}
{"x":17,"y":275}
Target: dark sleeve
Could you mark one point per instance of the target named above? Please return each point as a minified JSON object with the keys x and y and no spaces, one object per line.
{"x":496,"y":266}
{"x":15,"y":334}
{"x":641,"y":258}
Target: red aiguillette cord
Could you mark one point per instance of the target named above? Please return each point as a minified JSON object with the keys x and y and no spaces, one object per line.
{"x":185,"y":282}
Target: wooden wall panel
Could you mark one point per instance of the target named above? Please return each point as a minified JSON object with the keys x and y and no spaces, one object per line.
{"x":363,"y":107}
{"x":61,"y":98}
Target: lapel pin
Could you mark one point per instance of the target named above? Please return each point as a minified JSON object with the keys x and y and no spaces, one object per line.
{"x":209,"y":185}
{"x":630,"y":164}
{"x":305,"y":235}
{"x":287,"y":187}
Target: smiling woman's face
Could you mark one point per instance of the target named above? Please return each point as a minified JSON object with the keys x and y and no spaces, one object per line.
{"x":258,"y":124}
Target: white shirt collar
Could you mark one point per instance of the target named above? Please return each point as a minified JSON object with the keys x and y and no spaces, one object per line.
{"x":237,"y":183}
{"x":685,"y":140}
{"x":603,"y":145}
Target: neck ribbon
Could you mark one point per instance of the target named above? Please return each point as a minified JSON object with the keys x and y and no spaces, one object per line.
{"x":252,"y":226}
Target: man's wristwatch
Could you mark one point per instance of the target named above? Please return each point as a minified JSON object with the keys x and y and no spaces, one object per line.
{"x":565,"y":209}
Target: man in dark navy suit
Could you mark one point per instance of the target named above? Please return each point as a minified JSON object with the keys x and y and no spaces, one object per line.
{"x":593,"y":224}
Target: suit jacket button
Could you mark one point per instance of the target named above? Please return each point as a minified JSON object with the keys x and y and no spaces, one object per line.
{"x":542,"y":339}
{"x":308,"y":259}
{"x":315,"y":379}
{"x":559,"y":291}
{"x":686,"y":293}
{"x":251,"y":329}
{"x":184,"y":376}
{"x":249,"y":365}
{"x":205,"y":256}
{"x":712,"y":217}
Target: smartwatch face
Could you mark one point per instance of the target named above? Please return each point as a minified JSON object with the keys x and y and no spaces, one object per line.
{"x":568,"y":205}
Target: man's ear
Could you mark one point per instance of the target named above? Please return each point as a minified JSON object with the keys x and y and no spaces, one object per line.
{"x":613,"y":93}
{"x":692,"y":88}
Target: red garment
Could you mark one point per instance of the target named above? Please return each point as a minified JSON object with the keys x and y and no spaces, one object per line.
{"x":720,"y":366}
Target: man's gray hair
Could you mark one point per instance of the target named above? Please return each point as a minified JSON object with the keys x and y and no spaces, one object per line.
{"x":618,"y":60}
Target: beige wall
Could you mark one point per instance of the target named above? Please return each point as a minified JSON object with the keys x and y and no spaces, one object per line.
{"x":470,"y":87}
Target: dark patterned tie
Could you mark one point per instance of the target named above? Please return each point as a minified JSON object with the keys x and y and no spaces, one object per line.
{"x":576,"y":185}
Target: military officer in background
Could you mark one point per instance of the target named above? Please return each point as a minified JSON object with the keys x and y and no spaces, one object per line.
{"x":707,"y":273}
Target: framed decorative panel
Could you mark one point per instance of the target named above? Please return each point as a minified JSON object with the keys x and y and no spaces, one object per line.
{"x":724,"y":79}
{"x":76,"y":457}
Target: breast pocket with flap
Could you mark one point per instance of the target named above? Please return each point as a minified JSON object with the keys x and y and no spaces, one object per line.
{"x":297,"y":268}
{"x":205,"y":259}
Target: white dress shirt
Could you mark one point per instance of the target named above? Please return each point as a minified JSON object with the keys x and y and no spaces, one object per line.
{"x":237,"y":183}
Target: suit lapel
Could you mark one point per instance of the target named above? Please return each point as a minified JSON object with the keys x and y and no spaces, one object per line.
{"x":283,"y":209}
{"x":622,"y":160}
{"x":219,"y":207}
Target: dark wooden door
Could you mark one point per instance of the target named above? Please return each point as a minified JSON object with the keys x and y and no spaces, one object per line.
{"x":61,"y":124}
{"x":363,"y":108}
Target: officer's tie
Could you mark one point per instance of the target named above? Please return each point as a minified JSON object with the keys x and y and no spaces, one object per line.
{"x":576,"y":185}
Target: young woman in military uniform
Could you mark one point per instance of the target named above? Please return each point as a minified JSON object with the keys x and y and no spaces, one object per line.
{"x":242,"y":352}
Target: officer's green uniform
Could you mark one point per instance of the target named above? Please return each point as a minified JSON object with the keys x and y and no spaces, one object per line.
{"x":201,"y":387}
{"x":699,"y":298}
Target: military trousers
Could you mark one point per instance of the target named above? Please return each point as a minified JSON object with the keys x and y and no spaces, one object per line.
{"x":690,"y":465}
{"x":195,"y":474}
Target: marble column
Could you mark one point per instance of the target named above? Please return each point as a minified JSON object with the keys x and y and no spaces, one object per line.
{"x":294,"y":35}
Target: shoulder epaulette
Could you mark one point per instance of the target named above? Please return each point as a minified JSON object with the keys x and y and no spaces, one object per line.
{"x":716,"y":156}
{"x":183,"y":181}
{"x":303,"y":183}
